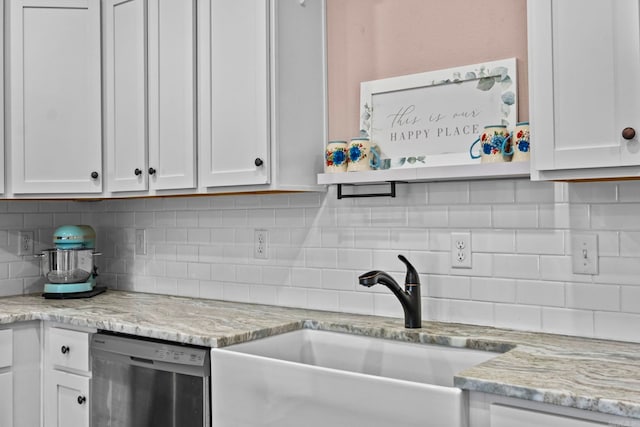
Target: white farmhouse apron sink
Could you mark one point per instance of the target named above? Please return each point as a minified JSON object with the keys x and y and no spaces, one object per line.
{"x":316,"y":378}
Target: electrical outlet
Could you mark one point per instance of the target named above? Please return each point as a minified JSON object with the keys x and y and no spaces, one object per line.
{"x":584,"y":253}
{"x":25,"y":242}
{"x":141,"y":241}
{"x":461,"y":250}
{"x":260,"y":243}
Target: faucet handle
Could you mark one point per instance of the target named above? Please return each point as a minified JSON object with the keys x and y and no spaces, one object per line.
{"x":412,"y":278}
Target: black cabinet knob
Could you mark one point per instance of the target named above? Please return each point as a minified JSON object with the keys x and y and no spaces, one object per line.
{"x":628,"y":133}
{"x":95,"y":175}
{"x":152,"y":171}
{"x":65,"y":349}
{"x":137,"y":172}
{"x":259,"y":162}
{"x":81,"y":400}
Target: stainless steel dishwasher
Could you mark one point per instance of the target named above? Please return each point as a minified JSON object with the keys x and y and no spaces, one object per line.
{"x":141,"y":382}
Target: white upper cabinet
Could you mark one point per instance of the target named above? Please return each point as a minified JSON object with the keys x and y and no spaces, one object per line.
{"x":150,"y":67}
{"x":54,"y":117}
{"x":261,"y":94}
{"x":234,"y":89}
{"x":584,"y":83}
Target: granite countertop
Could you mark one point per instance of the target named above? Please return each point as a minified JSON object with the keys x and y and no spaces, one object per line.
{"x":596,"y":375}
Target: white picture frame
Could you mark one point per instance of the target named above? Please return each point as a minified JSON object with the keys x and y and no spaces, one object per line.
{"x":432,"y":118}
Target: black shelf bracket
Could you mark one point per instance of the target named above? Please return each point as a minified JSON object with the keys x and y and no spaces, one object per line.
{"x":391,"y":193}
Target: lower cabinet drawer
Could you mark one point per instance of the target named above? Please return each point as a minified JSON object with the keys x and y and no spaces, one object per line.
{"x":6,"y":348}
{"x":69,"y":349}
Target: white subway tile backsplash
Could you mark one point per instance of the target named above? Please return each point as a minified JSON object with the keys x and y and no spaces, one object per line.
{"x":176,"y":270}
{"x":630,"y":299}
{"x":493,"y":290}
{"x":198,"y":271}
{"x":212,"y":289}
{"x":356,"y":302}
{"x":617,"y":326}
{"x":623,"y":216}
{"x":514,"y":216}
{"x":318,"y":246}
{"x":516,"y":266}
{"x":474,"y":312}
{"x":542,"y":293}
{"x":593,"y":297}
{"x":594,"y":192}
{"x":493,"y":241}
{"x":428,"y":216}
{"x":306,"y":277}
{"x":536,"y":192}
{"x":236,"y":292}
{"x":475,"y":216}
{"x":292,"y":297}
{"x":568,"y":321}
{"x":502,"y":191}
{"x":389,"y":217}
{"x":189,"y":288}
{"x":340,"y":280}
{"x":318,"y":299}
{"x":263,"y":294}
{"x":448,"y":193}
{"x":447,"y":287}
{"x":409,"y":239}
{"x":373,"y":238}
{"x":619,"y":270}
{"x":548,"y":242}
{"x":518,"y":317}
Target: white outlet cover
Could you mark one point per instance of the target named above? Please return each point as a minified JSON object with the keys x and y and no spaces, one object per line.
{"x":584,"y":253}
{"x":461,"y":250}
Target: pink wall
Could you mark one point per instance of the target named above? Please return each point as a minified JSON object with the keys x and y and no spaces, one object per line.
{"x":375,"y":39}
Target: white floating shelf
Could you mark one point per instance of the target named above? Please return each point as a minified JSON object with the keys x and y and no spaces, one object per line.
{"x":430,"y":173}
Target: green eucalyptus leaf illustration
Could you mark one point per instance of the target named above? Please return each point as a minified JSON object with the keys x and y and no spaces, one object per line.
{"x":411,"y":160}
{"x":486,"y":83}
{"x":501,"y":72}
{"x":470,"y":76}
{"x":509,"y":98}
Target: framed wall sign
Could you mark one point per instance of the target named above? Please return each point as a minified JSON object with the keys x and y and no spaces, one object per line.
{"x":432,"y":118}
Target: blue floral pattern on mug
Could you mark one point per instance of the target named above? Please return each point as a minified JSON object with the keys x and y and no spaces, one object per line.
{"x":523,"y":140}
{"x":336,"y":157}
{"x":355,"y":153}
{"x":492,"y":144}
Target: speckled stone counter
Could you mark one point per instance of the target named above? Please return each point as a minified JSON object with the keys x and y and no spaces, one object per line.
{"x":596,"y":375}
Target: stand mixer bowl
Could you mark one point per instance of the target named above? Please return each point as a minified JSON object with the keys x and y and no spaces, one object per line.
{"x":68,"y":265}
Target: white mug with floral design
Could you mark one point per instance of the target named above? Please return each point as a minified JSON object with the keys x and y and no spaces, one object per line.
{"x":494,"y":146}
{"x":363,"y":155}
{"x":336,"y":157}
{"x":521,"y":142}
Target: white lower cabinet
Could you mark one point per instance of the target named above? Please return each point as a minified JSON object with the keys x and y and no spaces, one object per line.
{"x":505,"y":416}
{"x":67,"y":376}
{"x":66,"y":399}
{"x":6,"y":398}
{"x":490,"y":410}
{"x":20,"y":374}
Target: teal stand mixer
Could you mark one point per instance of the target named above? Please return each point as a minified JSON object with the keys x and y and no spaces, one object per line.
{"x":69,"y":266}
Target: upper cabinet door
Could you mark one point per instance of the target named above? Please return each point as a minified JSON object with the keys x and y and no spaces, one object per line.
{"x":150,"y":94}
{"x":233,"y":89}
{"x":54,"y":96}
{"x":172,"y":85}
{"x":125,"y":77}
{"x":584,"y":86}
